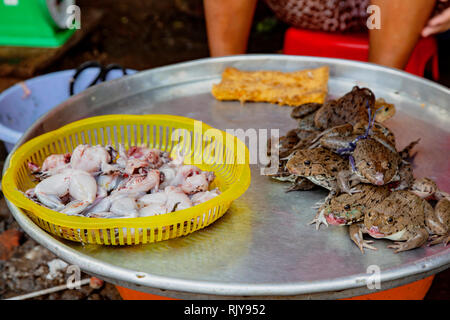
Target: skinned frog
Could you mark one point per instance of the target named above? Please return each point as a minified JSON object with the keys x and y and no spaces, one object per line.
{"x":406,"y":219}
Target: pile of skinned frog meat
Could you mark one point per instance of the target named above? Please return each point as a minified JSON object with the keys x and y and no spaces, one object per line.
{"x":343,"y":146}
{"x":101,"y":182}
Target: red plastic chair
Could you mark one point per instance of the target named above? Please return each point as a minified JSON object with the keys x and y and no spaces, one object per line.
{"x":356,"y":47}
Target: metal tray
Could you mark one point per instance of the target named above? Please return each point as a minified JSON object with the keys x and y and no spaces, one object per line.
{"x":262,"y":247}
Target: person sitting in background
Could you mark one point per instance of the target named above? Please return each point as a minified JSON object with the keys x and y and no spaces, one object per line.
{"x":402,"y":23}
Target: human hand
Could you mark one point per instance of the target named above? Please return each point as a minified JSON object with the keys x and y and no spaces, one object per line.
{"x":437,"y":24}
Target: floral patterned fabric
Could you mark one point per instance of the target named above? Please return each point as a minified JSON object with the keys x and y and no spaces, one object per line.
{"x":328,"y":15}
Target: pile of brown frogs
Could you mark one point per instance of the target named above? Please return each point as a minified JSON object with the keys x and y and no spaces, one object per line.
{"x":343,"y":146}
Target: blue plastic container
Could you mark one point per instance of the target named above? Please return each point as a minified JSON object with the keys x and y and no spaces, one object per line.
{"x":19,"y":110}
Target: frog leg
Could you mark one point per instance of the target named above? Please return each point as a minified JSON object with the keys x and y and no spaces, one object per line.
{"x":318,"y":205}
{"x":320,"y":215}
{"x":404,"y":154}
{"x":338,"y":131}
{"x":405,"y":176}
{"x":436,"y":239}
{"x":306,"y":123}
{"x":434,"y":225}
{"x":342,"y":130}
{"x":319,"y":219}
{"x":336,"y":143}
{"x":424,"y":188}
{"x":355,"y":232}
{"x":439,"y":195}
{"x":345,"y":180}
{"x":417,"y":240}
{"x":437,"y":221}
{"x":296,"y":187}
{"x":302,"y":184}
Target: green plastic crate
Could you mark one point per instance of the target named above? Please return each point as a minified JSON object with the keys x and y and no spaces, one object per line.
{"x":28,"y":23}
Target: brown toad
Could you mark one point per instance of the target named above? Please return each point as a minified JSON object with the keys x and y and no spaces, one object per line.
{"x":408,"y":220}
{"x":292,"y":141}
{"x":347,"y":209}
{"x":350,"y":108}
{"x":318,"y":165}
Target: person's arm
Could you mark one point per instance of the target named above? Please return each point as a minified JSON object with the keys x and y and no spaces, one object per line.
{"x":438,"y":24}
{"x":228,"y":24}
{"x":402,"y":22}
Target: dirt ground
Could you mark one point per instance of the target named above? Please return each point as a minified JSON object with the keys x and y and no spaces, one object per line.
{"x":147,"y":34}
{"x":138,"y":35}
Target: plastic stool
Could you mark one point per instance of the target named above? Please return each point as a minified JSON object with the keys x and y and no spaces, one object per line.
{"x":356,"y":47}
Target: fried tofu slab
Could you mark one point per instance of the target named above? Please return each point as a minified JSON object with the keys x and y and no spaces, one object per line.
{"x":283,"y":88}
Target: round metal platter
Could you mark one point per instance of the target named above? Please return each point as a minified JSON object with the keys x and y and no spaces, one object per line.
{"x":263,"y":246}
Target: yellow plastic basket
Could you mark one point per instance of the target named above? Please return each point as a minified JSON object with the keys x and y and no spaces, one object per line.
{"x":208,"y":148}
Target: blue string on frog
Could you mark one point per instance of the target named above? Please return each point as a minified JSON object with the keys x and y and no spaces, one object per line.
{"x":352,"y":145}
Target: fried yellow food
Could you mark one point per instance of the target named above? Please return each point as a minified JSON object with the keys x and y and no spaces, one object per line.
{"x":283,"y":88}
